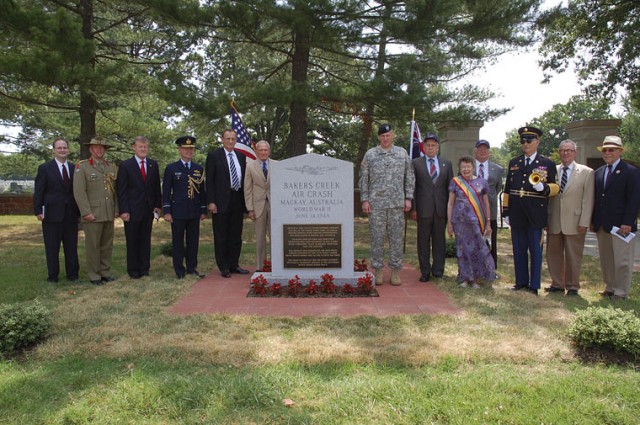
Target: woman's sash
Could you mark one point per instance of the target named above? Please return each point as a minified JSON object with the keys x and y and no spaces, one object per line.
{"x":474,"y":199}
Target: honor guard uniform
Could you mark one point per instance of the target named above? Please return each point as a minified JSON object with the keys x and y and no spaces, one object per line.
{"x":531,"y":180}
{"x":184,"y":206}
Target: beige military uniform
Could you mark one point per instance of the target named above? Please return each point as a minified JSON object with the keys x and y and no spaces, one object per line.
{"x":94,"y":191}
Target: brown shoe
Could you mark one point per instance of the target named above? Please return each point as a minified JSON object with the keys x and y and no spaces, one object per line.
{"x":395,"y":278}
{"x":605,"y":293}
{"x":379,"y":275}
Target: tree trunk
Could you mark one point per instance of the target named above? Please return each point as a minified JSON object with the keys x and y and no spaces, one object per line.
{"x":88,"y":101}
{"x":297,"y":142}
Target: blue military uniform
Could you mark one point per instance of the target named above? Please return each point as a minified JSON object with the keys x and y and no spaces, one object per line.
{"x":184,"y":197}
{"x":526,"y":208}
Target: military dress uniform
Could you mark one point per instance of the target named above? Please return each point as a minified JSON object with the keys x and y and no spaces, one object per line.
{"x":526,"y":209}
{"x":184,"y":197}
{"x":94,"y":191}
{"x":386,"y":181}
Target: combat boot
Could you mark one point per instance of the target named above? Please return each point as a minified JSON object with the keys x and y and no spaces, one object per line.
{"x":379,"y":275}
{"x":395,"y":278}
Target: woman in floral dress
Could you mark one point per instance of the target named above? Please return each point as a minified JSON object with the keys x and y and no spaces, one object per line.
{"x":468,"y":218}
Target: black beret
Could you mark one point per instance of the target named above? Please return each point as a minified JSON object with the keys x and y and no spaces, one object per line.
{"x":384,"y":128}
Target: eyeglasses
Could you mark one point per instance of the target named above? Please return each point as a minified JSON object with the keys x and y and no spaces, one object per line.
{"x":566,"y":150}
{"x":526,"y":139}
{"x":608,"y":150}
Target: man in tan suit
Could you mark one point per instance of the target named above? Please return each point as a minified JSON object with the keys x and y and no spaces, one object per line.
{"x":569,"y":218}
{"x":257,"y":183}
{"x":94,"y":188}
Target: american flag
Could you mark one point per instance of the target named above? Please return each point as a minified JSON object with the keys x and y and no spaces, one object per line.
{"x":415,"y":145}
{"x":245,"y":142}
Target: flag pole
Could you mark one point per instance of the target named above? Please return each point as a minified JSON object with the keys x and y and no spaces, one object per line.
{"x":413,"y":119}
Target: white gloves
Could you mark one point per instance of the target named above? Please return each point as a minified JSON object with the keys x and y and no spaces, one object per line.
{"x":539,"y":187}
{"x":506,"y":220}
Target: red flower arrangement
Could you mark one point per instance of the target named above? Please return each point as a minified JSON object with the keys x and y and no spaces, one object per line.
{"x":328,"y":287}
{"x":260,"y":285}
{"x":360,"y":265}
{"x":266,"y":266}
{"x":294,"y":287}
{"x":348,"y":289}
{"x":365,"y":284}
{"x":312,"y":289}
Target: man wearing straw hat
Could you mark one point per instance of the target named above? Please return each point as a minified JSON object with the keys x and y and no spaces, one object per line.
{"x":615,"y":217}
{"x":94,"y":188}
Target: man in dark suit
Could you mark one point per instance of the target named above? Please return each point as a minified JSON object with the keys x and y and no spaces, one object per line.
{"x":616,"y":206}
{"x":184,"y":205}
{"x":531,"y":180}
{"x":55,"y":207}
{"x":492,"y":173}
{"x":139,"y":198}
{"x":433,"y":174}
{"x":225,"y":170}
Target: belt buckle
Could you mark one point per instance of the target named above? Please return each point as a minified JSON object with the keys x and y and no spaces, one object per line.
{"x":521,"y":193}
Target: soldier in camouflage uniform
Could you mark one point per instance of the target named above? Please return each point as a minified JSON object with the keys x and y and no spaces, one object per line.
{"x":94,"y":190}
{"x":386,"y":190}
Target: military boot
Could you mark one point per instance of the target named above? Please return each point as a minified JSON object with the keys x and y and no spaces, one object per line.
{"x":395,"y":278}
{"x":379,"y":275}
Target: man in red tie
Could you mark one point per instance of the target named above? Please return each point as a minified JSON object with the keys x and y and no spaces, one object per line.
{"x":55,"y":207}
{"x":140,"y":199}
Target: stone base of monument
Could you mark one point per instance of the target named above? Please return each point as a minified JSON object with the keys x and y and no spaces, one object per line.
{"x":304,"y":280}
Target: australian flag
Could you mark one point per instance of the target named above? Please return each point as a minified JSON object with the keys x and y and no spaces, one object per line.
{"x":415,"y":145}
{"x":245,"y":143}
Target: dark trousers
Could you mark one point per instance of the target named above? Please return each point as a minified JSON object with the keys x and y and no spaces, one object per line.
{"x":227,"y":233}
{"x":65,"y":232}
{"x":432,"y":242}
{"x":527,"y":244}
{"x":494,"y":242}
{"x":179,"y":229}
{"x":138,"y":238}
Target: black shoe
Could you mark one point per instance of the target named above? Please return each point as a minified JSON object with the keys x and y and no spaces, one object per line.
{"x":180,"y":275}
{"x":533,"y":291}
{"x":572,"y":292}
{"x":518,"y":287}
{"x":97,"y":282}
{"x":239,"y":270}
{"x":424,"y":278}
{"x":606,"y":293}
{"x":196,"y":273}
{"x":438,"y":276}
{"x":135,"y":276}
{"x":52,"y":280}
{"x":225,"y":273}
{"x":106,"y":279}
{"x":553,"y":289}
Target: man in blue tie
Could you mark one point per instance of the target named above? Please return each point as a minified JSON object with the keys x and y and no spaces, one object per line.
{"x":531,"y":180}
{"x":616,"y":208}
{"x":225,"y":170}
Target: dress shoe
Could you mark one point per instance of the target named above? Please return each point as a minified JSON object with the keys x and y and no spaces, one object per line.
{"x":438,"y":276}
{"x":97,"y":282}
{"x":135,"y":276}
{"x":572,"y":292}
{"x":553,"y":289}
{"x":239,"y":270}
{"x":533,"y":291}
{"x":518,"y":287}
{"x":180,"y":275}
{"x":225,"y":273}
{"x":52,"y":280}
{"x":196,"y":273}
{"x":424,"y":278}
{"x":605,"y":293}
{"x":107,"y":279}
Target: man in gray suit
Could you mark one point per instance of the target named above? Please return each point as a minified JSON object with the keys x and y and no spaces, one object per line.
{"x":492,"y":173}
{"x":433,"y":175}
{"x":569,"y":219}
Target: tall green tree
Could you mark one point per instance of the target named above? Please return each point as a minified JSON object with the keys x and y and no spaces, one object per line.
{"x":601,"y":38}
{"x":88,"y":62}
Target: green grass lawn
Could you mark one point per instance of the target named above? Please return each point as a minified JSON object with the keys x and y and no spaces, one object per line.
{"x":117,"y":357}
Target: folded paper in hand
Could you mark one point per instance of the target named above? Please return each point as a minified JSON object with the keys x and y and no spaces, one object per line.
{"x":615,"y":232}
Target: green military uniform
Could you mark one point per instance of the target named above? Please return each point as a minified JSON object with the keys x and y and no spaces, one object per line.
{"x":94,"y":191}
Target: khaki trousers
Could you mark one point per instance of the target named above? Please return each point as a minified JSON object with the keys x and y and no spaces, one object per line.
{"x":98,"y":238}
{"x":262,"y":226}
{"x":616,"y":262}
{"x":564,"y":259}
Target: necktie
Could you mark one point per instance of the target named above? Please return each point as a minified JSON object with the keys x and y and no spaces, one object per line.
{"x":432,"y":168}
{"x":186,"y":164}
{"x":65,"y":176}
{"x":235,"y":180}
{"x":608,"y":174}
{"x":527,"y":162}
{"x":143,"y":171}
{"x":563,"y":181}
{"x":481,"y":171}
{"x":264,"y":169}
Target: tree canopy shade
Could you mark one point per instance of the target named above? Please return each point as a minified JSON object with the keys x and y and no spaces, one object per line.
{"x":603,"y":39}
{"x":72,"y":65}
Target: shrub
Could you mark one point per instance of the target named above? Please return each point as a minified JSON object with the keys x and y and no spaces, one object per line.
{"x":450,"y":251}
{"x":606,"y":328}
{"x":23,"y":325}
